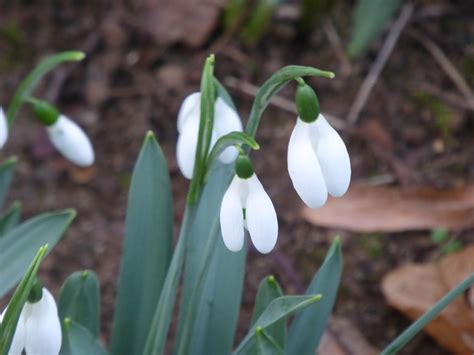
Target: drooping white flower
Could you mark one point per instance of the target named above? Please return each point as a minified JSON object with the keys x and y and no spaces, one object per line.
{"x":318,"y":162}
{"x":226,"y":120}
{"x":39,"y":330}
{"x":18,"y":342}
{"x":3,"y":128}
{"x":246,"y":205}
{"x":71,"y":141}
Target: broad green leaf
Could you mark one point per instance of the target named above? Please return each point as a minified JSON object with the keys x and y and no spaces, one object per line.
{"x":6,"y":172}
{"x":33,"y":78}
{"x":12,"y":314}
{"x":77,"y":340}
{"x":277,"y":310}
{"x":79,"y":300}
{"x":269,"y":290}
{"x":259,"y":21}
{"x":369,"y":18}
{"x":266,"y":344}
{"x":147,"y":249}
{"x":10,"y":219}
{"x":397,"y":344}
{"x":308,"y":327}
{"x":19,"y":246}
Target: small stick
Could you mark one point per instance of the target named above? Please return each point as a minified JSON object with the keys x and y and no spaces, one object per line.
{"x":446,"y":65}
{"x":336,"y":44}
{"x":376,"y":69}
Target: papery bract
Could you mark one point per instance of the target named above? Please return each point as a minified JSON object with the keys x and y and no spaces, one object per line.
{"x":3,"y":128}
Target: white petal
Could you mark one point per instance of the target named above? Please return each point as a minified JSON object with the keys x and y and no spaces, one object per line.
{"x":226,"y":120}
{"x":186,"y":147}
{"x":3,"y":128}
{"x":18,"y":342}
{"x":43,"y":329}
{"x":333,"y":157}
{"x":231,"y":216}
{"x":190,"y":107}
{"x":71,"y":141}
{"x":261,"y":217}
{"x":304,"y":169}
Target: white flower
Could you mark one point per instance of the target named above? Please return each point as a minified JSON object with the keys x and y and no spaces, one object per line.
{"x":247,"y":196}
{"x":3,"y":128}
{"x":71,"y":141}
{"x":39,"y":329}
{"x":226,"y":120}
{"x":318,"y":162}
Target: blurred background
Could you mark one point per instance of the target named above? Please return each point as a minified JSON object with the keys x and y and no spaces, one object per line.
{"x":402,"y":99}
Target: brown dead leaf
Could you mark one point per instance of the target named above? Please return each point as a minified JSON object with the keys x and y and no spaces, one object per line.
{"x":187,"y":21}
{"x":414,"y":288}
{"x":391,"y":209}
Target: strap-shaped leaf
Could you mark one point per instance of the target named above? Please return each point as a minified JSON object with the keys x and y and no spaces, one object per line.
{"x":268,"y":290}
{"x":147,"y":249}
{"x":79,"y":300}
{"x":277,"y":310}
{"x":10,"y":219}
{"x":19,"y":246}
{"x":77,"y":340}
{"x":266,"y":344}
{"x":6,"y":172}
{"x":308,"y":327}
{"x":12,"y":315}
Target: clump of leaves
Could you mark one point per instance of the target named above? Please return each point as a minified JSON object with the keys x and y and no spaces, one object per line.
{"x":447,"y":244}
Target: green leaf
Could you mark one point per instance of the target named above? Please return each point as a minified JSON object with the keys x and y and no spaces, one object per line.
{"x":31,"y":81}
{"x":277,"y":310}
{"x":368,"y":21}
{"x":214,"y":316}
{"x":439,"y":235}
{"x":259,"y":21}
{"x":269,"y":290}
{"x":79,"y":300}
{"x":147,"y":249}
{"x":308,"y":327}
{"x":6,"y":172}
{"x":77,"y":340}
{"x":12,"y":315}
{"x":10,"y":219}
{"x":19,"y":246}
{"x":266,"y":344}
{"x":431,"y":314}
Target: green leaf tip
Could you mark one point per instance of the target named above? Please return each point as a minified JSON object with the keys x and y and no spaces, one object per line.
{"x":67,"y":322}
{"x":271,"y":279}
{"x":85,"y":274}
{"x":317,"y":297}
{"x":150,"y":135}
{"x":77,"y":55}
{"x":258,"y":330}
{"x":211,"y":59}
{"x":337,"y":240}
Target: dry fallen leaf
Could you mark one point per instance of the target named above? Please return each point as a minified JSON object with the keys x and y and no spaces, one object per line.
{"x":392,"y":209}
{"x":187,"y":21}
{"x":415,"y":288}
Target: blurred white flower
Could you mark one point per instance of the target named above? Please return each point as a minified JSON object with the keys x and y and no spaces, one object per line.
{"x":318,"y":162}
{"x":246,"y":205}
{"x":39,"y":330}
{"x":226,"y":120}
{"x":3,"y":128}
{"x":71,"y":141}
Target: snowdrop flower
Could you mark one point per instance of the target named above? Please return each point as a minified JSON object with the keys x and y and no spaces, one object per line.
{"x":3,"y":128}
{"x":246,"y":205}
{"x":39,"y":329}
{"x":318,"y":161}
{"x":71,"y":141}
{"x":226,"y":120}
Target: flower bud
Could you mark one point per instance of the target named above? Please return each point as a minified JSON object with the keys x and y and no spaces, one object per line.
{"x":307,"y":103}
{"x":46,"y":113}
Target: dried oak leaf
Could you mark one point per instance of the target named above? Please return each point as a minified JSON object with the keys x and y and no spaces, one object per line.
{"x":414,"y":288}
{"x":188,"y":21}
{"x":391,"y":209}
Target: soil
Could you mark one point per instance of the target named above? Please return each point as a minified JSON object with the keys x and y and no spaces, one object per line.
{"x":130,"y":83}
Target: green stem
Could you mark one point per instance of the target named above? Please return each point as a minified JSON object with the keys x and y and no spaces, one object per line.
{"x":273,"y":85}
{"x":421,"y":322}
{"x":156,"y":340}
{"x":30,"y":82}
{"x":206,"y":122}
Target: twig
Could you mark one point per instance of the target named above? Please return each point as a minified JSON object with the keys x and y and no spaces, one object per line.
{"x":445,"y":64}
{"x":451,"y":98}
{"x":376,"y":69}
{"x":278,"y":101}
{"x":336,"y":44}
